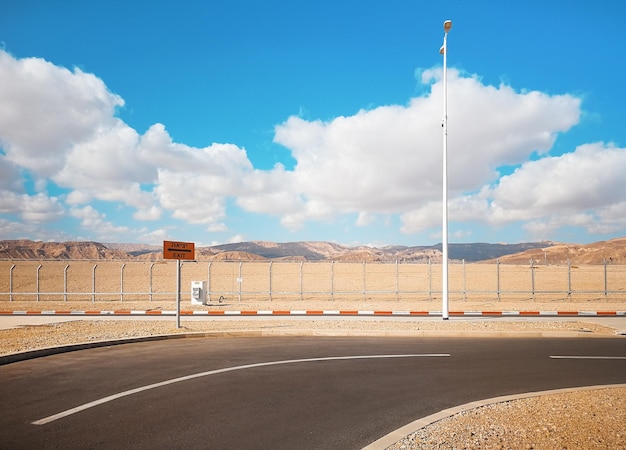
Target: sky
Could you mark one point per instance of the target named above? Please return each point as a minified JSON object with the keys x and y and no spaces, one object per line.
{"x":227,"y":121}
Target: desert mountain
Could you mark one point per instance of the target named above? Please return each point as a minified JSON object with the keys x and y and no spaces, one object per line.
{"x":613,"y":251}
{"x":25,"y":249}
{"x":316,"y":251}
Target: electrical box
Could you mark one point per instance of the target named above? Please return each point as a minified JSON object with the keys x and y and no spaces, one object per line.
{"x":198,"y":293}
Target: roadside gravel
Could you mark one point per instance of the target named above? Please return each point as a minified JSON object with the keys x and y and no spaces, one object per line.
{"x":26,"y":338}
{"x":587,"y":419}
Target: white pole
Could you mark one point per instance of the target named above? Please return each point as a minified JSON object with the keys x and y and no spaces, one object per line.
{"x":178,"y":287}
{"x":444,"y":243}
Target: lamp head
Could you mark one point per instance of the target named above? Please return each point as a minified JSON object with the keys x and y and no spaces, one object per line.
{"x":447,"y":25}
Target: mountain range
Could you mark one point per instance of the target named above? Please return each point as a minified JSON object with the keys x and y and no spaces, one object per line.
{"x":613,"y":251}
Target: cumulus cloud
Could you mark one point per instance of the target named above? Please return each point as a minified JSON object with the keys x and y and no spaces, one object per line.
{"x":388,"y":159}
{"x":590,"y":177}
{"x":40,"y":208}
{"x":37,"y":208}
{"x":583,"y":189}
{"x":46,"y":108}
{"x":58,"y":126}
{"x":10,"y":177}
{"x":95,"y":221}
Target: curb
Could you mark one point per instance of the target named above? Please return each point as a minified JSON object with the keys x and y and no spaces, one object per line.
{"x":218,"y":313}
{"x":399,"y":434}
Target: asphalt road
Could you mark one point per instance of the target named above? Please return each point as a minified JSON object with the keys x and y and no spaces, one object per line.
{"x":318,"y":392}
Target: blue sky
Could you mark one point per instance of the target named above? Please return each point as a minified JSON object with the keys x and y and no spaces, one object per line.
{"x":283,"y":121}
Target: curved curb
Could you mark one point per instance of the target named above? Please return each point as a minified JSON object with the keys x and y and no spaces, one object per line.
{"x":401,"y":433}
{"x":38,"y":353}
{"x":219,"y":313}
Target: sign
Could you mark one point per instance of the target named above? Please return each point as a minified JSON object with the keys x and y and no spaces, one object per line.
{"x":179,"y":250}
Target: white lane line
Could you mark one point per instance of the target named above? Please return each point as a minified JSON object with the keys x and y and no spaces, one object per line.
{"x":588,"y":357}
{"x":110,"y":398}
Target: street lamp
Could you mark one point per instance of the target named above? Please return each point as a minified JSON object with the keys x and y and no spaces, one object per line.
{"x":447,"y":25}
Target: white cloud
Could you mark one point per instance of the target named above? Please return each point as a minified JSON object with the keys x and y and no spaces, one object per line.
{"x":193,"y":199}
{"x":270,"y":192}
{"x":154,"y":237}
{"x":151,"y":213}
{"x":37,"y":208}
{"x":583,"y":189}
{"x":590,"y":177}
{"x":10,"y":177}
{"x":46,"y":109}
{"x":10,"y":229}
{"x":365,"y":219}
{"x":9,"y":202}
{"x":388,"y":160}
{"x":95,"y":222}
{"x":107,"y":166}
{"x":40,"y":208}
{"x":371,"y":165}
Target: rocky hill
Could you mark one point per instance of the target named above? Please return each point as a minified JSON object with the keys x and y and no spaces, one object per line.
{"x":317,"y":251}
{"x":25,"y":249}
{"x":613,"y":251}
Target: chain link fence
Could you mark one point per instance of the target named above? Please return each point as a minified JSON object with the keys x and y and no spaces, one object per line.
{"x":80,"y":280}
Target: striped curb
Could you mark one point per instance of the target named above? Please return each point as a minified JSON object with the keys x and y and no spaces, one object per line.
{"x":124,"y":312}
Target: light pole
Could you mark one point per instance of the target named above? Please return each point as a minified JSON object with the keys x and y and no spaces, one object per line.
{"x":447,"y":25}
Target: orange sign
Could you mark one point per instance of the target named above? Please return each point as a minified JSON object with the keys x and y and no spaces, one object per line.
{"x":179,"y":250}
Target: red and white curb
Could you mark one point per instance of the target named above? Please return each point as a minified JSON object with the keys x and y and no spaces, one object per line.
{"x":123,"y":312}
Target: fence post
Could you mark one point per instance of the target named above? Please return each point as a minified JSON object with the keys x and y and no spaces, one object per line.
{"x":150,"y":280}
{"x":532,"y":277}
{"x":122,"y":282}
{"x":270,"y":281}
{"x":93,"y":283}
{"x":498,"y":278}
{"x":38,"y":269}
{"x":208,"y":283}
{"x":332,"y":280}
{"x":301,"y":264}
{"x":364,"y":284}
{"x":430,"y":279}
{"x":65,"y":282}
{"x":397,"y":282}
{"x":569,"y":277}
{"x":239,"y":281}
{"x":464,"y":286}
{"x":606,"y":281}
{"x":11,"y":283}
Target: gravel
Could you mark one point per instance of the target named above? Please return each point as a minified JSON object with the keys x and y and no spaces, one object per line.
{"x":77,"y":331}
{"x":587,"y":419}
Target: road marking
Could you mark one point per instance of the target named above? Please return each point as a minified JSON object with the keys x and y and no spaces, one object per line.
{"x":110,"y":398}
{"x":588,"y":357}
